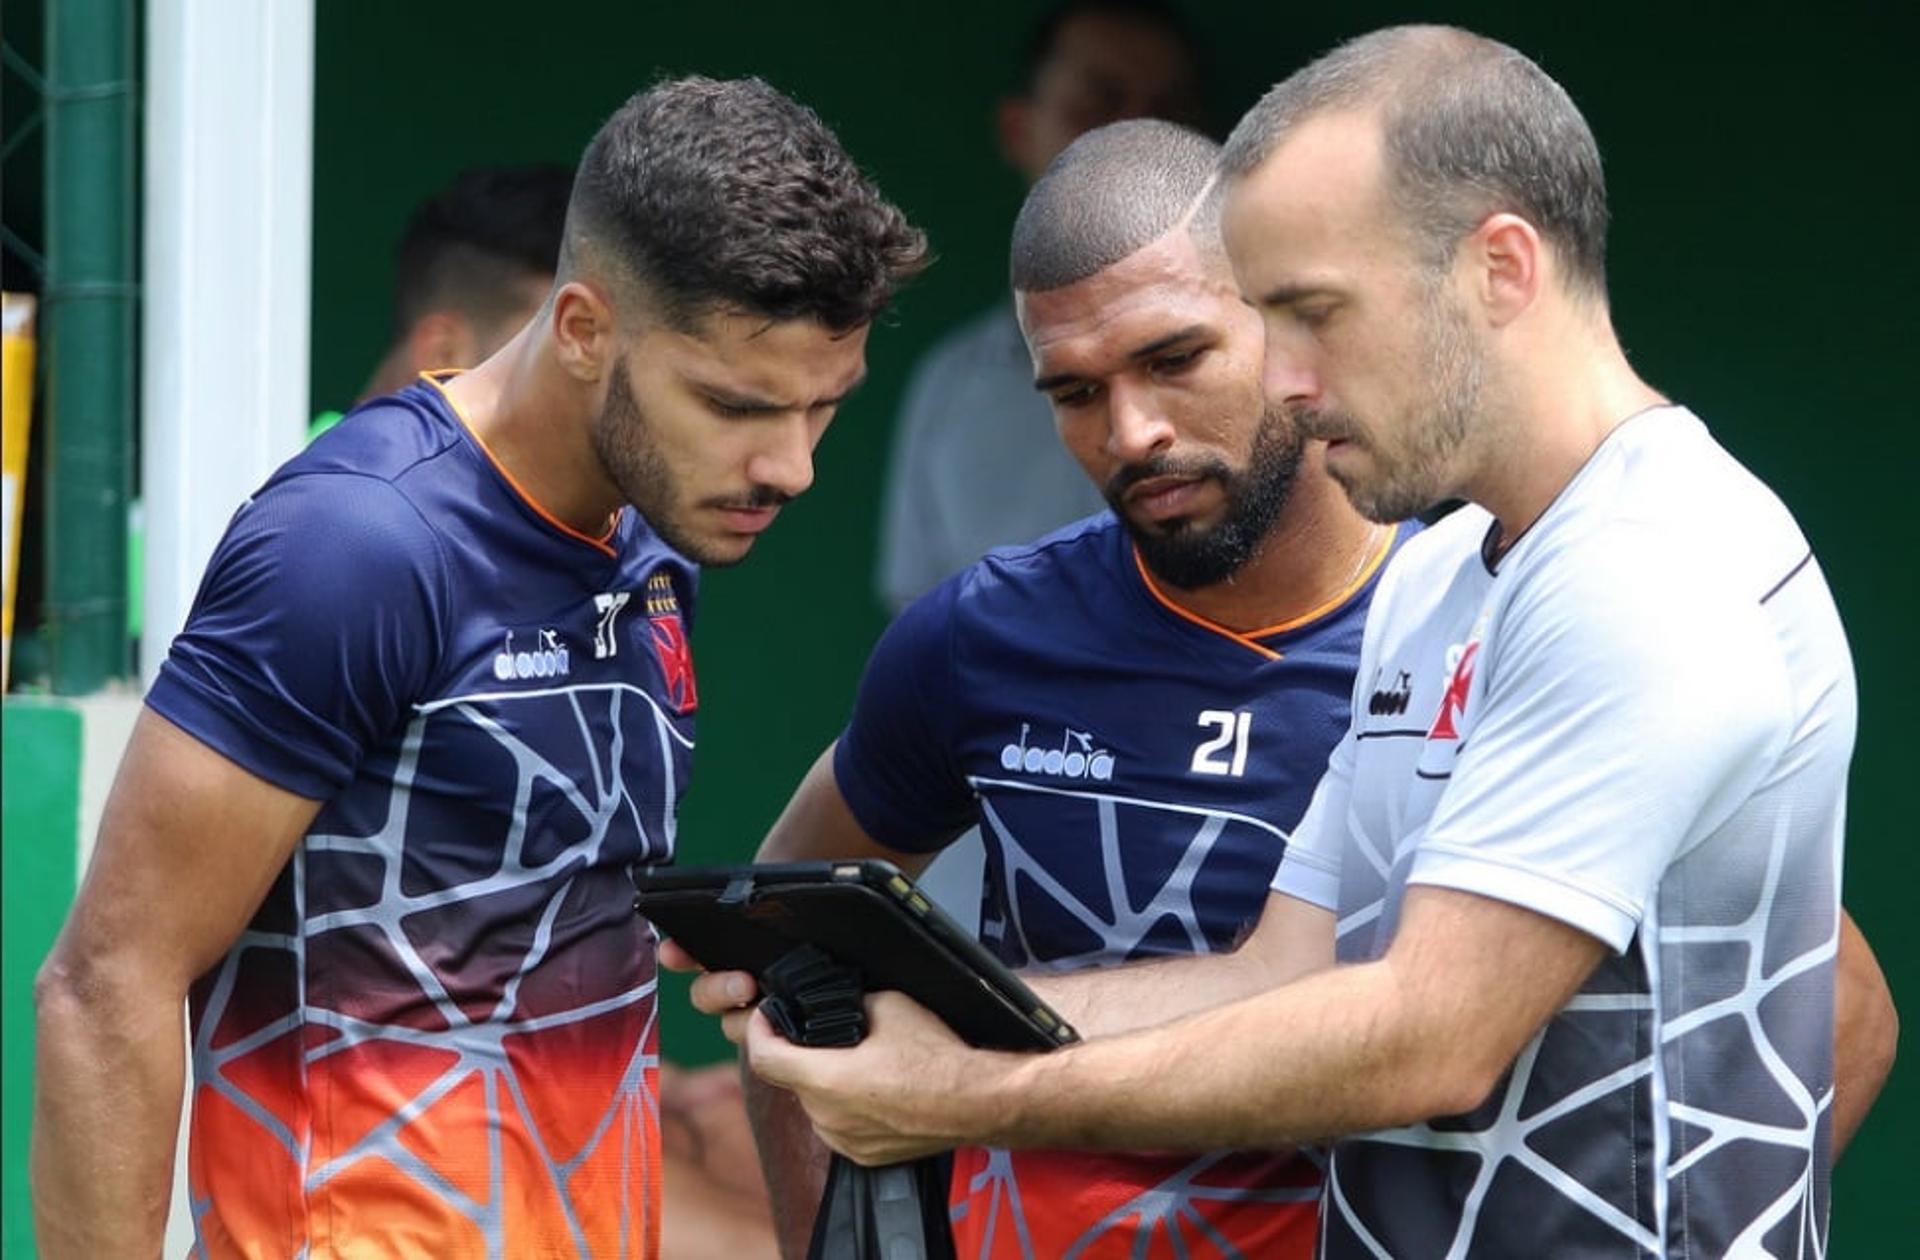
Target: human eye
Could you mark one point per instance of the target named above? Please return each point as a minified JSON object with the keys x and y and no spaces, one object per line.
{"x":1072,"y":396}
{"x":1176,"y":362}
{"x":734,"y":410}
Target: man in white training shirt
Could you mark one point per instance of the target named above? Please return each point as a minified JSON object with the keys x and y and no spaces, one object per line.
{"x":1582,"y":846}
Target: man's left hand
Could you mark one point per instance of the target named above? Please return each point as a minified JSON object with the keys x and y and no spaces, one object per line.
{"x":910,"y":1089}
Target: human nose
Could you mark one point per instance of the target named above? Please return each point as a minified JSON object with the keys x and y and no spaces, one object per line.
{"x":1287,"y":376}
{"x":1135,"y":430}
{"x":784,"y":461}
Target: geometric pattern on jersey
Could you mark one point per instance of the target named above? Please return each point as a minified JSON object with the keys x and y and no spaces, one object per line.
{"x":1134,"y":776}
{"x":1116,"y":908}
{"x":495,"y":1125}
{"x":1679,"y":1105}
{"x":1753,"y":1005}
{"x":1214,"y":1205}
{"x":438,"y":1035}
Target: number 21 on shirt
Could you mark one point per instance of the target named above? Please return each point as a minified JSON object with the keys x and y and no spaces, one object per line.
{"x":1225,"y":751}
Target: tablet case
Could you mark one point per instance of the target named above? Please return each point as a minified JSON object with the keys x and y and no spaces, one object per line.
{"x":865,"y":915}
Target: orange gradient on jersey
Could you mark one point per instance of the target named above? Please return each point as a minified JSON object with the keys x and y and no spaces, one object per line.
{"x":403,"y":1141}
{"x":1055,"y":1203}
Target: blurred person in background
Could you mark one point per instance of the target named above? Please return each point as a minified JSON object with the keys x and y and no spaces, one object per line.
{"x":472,"y":268}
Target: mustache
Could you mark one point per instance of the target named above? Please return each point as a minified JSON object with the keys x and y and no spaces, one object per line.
{"x":758,"y":497}
{"x":1130,"y":475}
{"x":1317,"y":423}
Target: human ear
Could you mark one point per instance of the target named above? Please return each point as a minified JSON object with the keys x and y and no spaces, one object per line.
{"x":1509,"y":259}
{"x":440,"y":339}
{"x":583,"y":332}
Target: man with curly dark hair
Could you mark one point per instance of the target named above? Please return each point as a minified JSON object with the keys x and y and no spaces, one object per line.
{"x":433,"y":700}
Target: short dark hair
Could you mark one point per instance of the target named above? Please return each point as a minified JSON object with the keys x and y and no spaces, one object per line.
{"x":1471,"y":128}
{"x":713,"y":195}
{"x":471,"y":243}
{"x":1045,"y":35}
{"x":1112,"y":192}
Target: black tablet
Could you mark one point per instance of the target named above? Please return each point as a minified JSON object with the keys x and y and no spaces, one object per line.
{"x":863,"y":914}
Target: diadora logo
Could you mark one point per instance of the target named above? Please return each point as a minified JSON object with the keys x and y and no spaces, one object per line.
{"x":1391,"y":701}
{"x":547,"y":658}
{"x":1076,"y":758}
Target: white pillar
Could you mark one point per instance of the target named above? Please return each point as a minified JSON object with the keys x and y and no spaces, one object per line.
{"x":229,"y":178}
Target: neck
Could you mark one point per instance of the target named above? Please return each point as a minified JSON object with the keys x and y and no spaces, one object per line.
{"x":1316,"y":552}
{"x":536,"y":420}
{"x":1574,"y":388}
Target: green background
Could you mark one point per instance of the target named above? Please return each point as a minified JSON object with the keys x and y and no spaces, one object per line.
{"x":40,"y":819}
{"x":1763,"y":264}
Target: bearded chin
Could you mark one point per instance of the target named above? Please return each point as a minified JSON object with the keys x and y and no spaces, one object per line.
{"x":1187,"y":557}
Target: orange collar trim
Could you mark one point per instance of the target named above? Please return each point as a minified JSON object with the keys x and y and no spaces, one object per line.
{"x":604,"y":543}
{"x":1250,"y":639}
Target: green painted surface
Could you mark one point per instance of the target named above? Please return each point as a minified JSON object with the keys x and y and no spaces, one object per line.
{"x":89,"y":333}
{"x":39,"y":849}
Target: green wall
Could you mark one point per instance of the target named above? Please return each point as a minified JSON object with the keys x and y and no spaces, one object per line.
{"x":40,"y":822}
{"x":1764,"y":271}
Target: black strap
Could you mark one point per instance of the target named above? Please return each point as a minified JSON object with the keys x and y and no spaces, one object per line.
{"x":896,"y":1212}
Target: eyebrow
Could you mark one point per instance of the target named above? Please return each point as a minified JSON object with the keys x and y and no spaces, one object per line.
{"x":1047,"y":384}
{"x":1287,"y":294}
{"x":768,"y":407}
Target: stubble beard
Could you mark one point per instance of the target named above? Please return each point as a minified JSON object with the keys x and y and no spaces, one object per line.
{"x":623,"y":439}
{"x":1406,"y":482}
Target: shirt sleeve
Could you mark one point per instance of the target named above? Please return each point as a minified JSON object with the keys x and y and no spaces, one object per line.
{"x":319,"y":622}
{"x":1309,"y":867}
{"x":894,"y":763}
{"x":1627,"y":711}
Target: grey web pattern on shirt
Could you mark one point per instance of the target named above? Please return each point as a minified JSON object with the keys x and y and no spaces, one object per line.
{"x":1121,"y":931}
{"x":1168,"y":1207}
{"x":478,"y":1046}
{"x":1125,"y":928}
{"x":1506,"y":1138}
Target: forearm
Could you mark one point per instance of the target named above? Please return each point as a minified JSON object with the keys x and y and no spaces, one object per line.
{"x":1292,"y":939}
{"x":109,"y":1066}
{"x":1338,"y":1052}
{"x":1866,"y":1034}
{"x":792,"y":1158}
{"x":1118,"y":1000}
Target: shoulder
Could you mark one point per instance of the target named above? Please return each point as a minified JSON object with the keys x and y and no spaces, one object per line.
{"x":1427,"y":561}
{"x":319,"y":529}
{"x":1012,"y":589}
{"x":1073,"y":557}
{"x":1445,"y":544}
{"x":384,"y":438}
{"x":1664,"y":501}
{"x":1614,"y":612}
